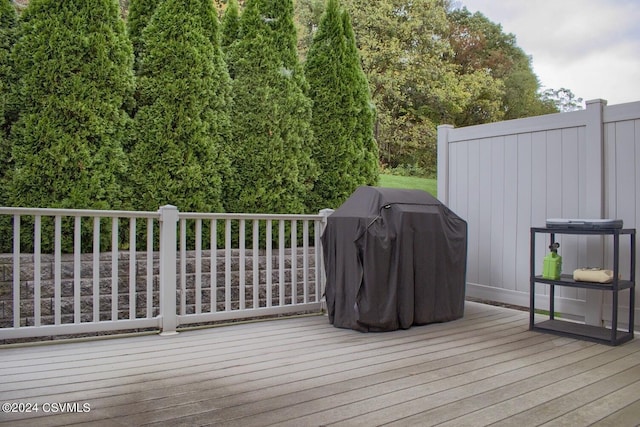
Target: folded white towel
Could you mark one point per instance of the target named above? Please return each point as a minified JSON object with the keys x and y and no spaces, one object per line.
{"x":597,"y":275}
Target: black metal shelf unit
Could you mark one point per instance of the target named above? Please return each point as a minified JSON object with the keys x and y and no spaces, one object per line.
{"x":611,"y":336}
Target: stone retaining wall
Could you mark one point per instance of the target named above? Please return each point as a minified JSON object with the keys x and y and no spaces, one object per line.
{"x":47,"y":286}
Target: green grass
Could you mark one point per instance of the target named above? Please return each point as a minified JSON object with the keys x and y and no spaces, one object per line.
{"x":546,"y":313}
{"x":409,"y":182}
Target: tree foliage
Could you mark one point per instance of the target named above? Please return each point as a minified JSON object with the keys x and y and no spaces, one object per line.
{"x":271,"y":129}
{"x":343,"y":115}
{"x":563,"y":99}
{"x":230,"y":24}
{"x":425,"y":62}
{"x":8,"y":23}
{"x":138,"y":17}
{"x":182,"y":123}
{"x":429,"y":63}
{"x":481,"y":47}
{"x":413,"y":86}
{"x":74,"y":64}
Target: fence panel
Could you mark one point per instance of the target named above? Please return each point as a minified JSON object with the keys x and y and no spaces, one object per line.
{"x":506,"y":177}
{"x":74,"y":271}
{"x":246,"y":277}
{"x":66,"y":272}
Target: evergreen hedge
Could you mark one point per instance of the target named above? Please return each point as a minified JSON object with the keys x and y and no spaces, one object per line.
{"x":8,"y":23}
{"x":140,"y":14}
{"x":182,"y":122}
{"x":343,"y":115}
{"x":230,"y":24}
{"x":272,"y":136}
{"x":74,"y":63}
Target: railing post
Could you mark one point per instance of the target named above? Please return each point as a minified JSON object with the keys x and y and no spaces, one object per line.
{"x":321,"y":275}
{"x":443,"y":163}
{"x":325,"y":214}
{"x":168,"y":257}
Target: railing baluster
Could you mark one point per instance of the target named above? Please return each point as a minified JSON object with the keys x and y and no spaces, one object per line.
{"x":132,"y":268}
{"x":150,"y":267}
{"x":256,"y":263}
{"x":269,"y":261}
{"x":281,"y":256}
{"x":96,"y":269}
{"x":198,"y":254}
{"x":305,"y":260}
{"x":214,"y":266}
{"x":227,"y":265}
{"x":16,"y":271}
{"x":183,"y":266}
{"x":241,"y":263}
{"x":37,"y":270}
{"x":114,"y":268}
{"x":294,"y":262}
{"x":57,"y":260}
{"x":77,"y":267}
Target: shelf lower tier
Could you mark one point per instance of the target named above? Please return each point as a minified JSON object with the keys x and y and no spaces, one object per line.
{"x":567,"y":280}
{"x":582,"y":331}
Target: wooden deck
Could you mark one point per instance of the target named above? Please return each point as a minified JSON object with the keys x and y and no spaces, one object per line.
{"x":484,"y":369}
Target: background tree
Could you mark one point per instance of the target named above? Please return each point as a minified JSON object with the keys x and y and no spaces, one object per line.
{"x":271,"y":129}
{"x":8,"y":24}
{"x":480,"y":47}
{"x":308,"y":14}
{"x":413,"y":86}
{"x":430,"y":63}
{"x":563,"y":99}
{"x":182,"y":122}
{"x":74,"y":64}
{"x":345,"y":151}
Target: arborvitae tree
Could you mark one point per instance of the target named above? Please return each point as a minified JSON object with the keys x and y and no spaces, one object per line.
{"x":8,"y":23}
{"x":345,"y":151}
{"x":271,"y":120}
{"x":8,"y":17}
{"x":182,"y":121}
{"x":230,"y":24}
{"x":75,"y":68}
{"x":140,"y":13}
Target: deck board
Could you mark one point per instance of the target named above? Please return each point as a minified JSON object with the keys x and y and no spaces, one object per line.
{"x":483,"y":369}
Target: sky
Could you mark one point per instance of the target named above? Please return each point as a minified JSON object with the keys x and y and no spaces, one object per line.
{"x":591,"y":47}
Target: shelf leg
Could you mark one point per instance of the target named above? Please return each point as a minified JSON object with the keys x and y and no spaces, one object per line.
{"x":632,"y":308}
{"x":614,"y":318}
{"x":532,"y":284}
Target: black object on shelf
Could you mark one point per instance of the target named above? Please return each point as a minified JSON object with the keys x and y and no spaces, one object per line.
{"x":610,"y":336}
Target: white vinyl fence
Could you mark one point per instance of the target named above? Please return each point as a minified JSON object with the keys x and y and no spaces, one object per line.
{"x":78,"y":271}
{"x":507,"y":177}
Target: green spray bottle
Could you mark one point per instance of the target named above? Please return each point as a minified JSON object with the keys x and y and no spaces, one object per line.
{"x":552,"y":266}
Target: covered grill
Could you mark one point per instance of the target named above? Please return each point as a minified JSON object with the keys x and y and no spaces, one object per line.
{"x":394,"y":258}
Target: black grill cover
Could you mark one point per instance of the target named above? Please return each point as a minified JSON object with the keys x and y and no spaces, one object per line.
{"x":394,"y":258}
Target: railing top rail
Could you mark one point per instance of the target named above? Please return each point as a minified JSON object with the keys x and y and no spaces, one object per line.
{"x":76,"y":212}
{"x":246,"y":216}
{"x":149,"y":214}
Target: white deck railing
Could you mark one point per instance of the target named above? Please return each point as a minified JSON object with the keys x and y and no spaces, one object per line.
{"x":80,"y":271}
